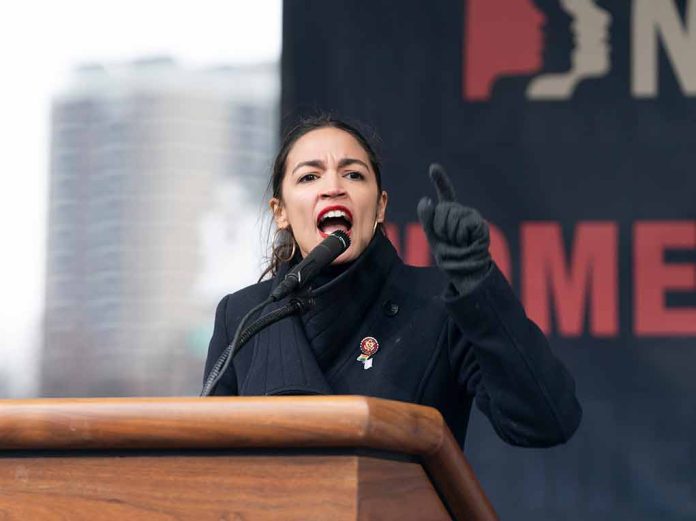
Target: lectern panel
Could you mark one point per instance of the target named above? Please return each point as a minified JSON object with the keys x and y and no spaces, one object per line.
{"x":214,"y":487}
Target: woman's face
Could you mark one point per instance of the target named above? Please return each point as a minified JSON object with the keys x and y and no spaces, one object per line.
{"x":329,"y":185}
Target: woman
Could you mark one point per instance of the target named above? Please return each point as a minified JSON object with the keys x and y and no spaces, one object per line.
{"x":381,"y":328}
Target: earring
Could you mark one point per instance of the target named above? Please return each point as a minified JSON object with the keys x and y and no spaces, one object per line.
{"x":276,"y":249}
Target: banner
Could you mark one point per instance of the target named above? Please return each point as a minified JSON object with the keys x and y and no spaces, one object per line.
{"x":570,"y":124}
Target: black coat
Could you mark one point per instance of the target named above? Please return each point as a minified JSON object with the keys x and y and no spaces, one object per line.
{"x":434,"y":349}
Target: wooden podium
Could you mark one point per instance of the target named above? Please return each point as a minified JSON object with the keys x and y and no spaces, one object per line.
{"x":283,"y":458}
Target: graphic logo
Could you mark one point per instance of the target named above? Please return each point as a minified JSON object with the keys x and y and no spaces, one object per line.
{"x":557,"y":44}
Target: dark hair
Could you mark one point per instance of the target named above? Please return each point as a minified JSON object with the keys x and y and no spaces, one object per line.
{"x":281,"y":252}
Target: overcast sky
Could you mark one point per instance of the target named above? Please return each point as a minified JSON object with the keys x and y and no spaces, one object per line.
{"x":40,"y":43}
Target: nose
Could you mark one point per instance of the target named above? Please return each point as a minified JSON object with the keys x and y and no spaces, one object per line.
{"x":333,"y":193}
{"x":333,"y":187}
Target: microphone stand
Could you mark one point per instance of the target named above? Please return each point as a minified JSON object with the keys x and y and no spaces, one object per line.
{"x":296,"y":305}
{"x":321,"y":256}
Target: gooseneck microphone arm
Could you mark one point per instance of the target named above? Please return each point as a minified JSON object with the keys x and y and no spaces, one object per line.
{"x":295,"y":306}
{"x":298,"y":277}
{"x":315,"y":261}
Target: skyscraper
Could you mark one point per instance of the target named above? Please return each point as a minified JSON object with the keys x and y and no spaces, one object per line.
{"x":156,"y":177}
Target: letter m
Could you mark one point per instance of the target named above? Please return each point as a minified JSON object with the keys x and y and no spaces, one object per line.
{"x":588,"y":282}
{"x":656,"y":21}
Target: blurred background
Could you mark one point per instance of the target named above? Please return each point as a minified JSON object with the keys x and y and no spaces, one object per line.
{"x":137,"y":137}
{"x":137,"y":144}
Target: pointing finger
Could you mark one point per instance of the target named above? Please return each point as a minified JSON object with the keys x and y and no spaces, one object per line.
{"x":443,"y":185}
{"x":426,"y":212}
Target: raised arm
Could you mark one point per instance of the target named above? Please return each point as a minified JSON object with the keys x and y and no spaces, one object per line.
{"x":499,"y":355}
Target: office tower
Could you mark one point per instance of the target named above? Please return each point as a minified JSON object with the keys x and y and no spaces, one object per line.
{"x":156,"y":177}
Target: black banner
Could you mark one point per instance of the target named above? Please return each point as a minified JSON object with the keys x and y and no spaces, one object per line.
{"x":571,"y":125}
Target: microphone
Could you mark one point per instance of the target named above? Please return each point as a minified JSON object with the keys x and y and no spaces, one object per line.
{"x":317,"y":259}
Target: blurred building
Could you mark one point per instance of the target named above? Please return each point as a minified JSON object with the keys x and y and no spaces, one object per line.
{"x":156,"y":177}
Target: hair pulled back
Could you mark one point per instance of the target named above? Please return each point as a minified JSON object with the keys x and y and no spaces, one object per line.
{"x":283,"y":246}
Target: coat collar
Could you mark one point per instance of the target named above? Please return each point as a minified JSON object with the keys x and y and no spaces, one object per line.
{"x":292,"y":355}
{"x":342,"y":302}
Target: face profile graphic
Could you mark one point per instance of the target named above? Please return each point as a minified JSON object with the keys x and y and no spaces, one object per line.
{"x":501,"y":38}
{"x":547,"y":47}
{"x":590,"y":58}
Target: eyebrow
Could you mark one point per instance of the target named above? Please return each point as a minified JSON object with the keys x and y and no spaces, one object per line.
{"x":317,"y":163}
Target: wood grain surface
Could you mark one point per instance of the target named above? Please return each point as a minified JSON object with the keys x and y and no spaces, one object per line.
{"x":249,"y":422}
{"x":396,"y":490}
{"x":216,"y":488}
{"x":178,"y":488}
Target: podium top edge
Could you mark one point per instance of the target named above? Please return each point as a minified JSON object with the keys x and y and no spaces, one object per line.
{"x":220,"y":423}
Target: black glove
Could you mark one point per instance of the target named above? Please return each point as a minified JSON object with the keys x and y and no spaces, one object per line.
{"x":458,"y":235}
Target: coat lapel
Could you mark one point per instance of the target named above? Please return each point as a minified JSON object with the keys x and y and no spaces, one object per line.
{"x":282,"y":361}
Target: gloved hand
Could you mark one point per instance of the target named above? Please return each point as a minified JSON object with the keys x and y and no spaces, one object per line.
{"x":458,"y":235}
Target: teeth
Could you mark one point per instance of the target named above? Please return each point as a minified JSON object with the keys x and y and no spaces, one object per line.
{"x":335,"y":213}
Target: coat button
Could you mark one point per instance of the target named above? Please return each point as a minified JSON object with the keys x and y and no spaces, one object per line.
{"x":391,"y":308}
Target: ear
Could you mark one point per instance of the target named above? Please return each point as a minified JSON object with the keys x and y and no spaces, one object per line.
{"x":382,"y":206}
{"x":279,"y":214}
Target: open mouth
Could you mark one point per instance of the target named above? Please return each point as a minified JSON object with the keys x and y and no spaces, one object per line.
{"x":334,"y":218}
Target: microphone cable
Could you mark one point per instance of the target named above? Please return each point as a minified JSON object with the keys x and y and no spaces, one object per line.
{"x":295,"y":306}
{"x":302,"y":274}
{"x":224,"y":359}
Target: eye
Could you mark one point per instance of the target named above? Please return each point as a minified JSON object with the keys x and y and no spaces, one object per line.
{"x":307,"y":177}
{"x":355,"y":175}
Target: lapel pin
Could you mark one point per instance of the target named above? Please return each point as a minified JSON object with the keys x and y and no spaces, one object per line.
{"x":368,"y":347}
